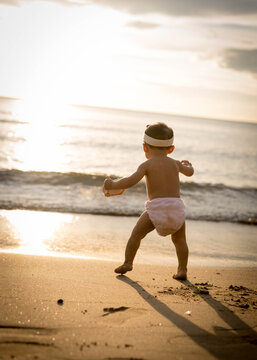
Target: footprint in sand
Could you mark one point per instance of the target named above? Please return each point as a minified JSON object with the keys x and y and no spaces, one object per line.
{"x":22,"y":335}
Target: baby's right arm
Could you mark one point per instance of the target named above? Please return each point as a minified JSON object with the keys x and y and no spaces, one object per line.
{"x":185,"y":167}
{"x":126,"y":182}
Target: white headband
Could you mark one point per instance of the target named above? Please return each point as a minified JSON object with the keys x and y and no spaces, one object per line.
{"x":156,"y":142}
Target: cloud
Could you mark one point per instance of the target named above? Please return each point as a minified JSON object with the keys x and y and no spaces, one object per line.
{"x":240,"y":60}
{"x":183,"y":7}
{"x":166,"y":7}
{"x":10,"y":2}
{"x":142,"y":25}
{"x":241,"y":27}
{"x":61,"y":2}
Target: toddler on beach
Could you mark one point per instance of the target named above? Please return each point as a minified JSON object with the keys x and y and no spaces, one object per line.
{"x":164,"y":209}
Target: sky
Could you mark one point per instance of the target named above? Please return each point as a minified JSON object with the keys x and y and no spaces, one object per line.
{"x":187,"y":57}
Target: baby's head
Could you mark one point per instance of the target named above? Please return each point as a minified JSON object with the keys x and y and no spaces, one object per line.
{"x":159,"y":136}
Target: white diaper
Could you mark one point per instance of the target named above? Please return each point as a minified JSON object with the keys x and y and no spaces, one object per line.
{"x":167,"y":214}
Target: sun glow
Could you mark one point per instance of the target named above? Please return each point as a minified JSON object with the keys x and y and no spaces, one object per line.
{"x":73,"y":62}
{"x":96,"y":55}
{"x":41,"y":110}
{"x":41,"y":137}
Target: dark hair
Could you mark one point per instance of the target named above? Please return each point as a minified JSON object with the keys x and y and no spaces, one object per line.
{"x":159,"y":131}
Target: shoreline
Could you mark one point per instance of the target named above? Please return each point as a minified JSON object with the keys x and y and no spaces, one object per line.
{"x":79,"y":309}
{"x":245,"y":221}
{"x":119,"y":262}
{"x":104,"y":237}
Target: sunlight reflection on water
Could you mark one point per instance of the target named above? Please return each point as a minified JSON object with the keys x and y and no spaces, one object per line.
{"x":34,"y":230}
{"x":42,"y":138}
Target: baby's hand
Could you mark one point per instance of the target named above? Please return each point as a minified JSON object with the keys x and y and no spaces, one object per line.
{"x":186,"y":163}
{"x":186,"y":168}
{"x":108,"y":183}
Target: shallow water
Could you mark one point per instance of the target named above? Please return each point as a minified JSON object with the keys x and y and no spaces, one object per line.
{"x":105,"y":237}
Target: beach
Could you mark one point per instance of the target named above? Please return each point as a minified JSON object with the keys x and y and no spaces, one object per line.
{"x":66,"y":308}
{"x":61,"y":239}
{"x":60,"y":297}
{"x":97,"y":90}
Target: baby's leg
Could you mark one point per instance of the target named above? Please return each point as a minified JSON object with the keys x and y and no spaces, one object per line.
{"x":141,"y":229}
{"x":179,"y":240}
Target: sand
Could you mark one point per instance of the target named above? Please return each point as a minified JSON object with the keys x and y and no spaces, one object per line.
{"x":67,"y":308}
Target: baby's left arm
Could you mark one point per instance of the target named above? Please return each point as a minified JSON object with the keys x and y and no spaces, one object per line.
{"x":125,"y":182}
{"x":185,"y":167}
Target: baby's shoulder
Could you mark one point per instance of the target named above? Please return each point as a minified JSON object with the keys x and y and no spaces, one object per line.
{"x":172,"y":165}
{"x":144,"y":166}
{"x":155,"y":162}
{"x":173,"y":161}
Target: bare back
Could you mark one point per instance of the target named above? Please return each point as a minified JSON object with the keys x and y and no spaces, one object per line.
{"x":162,"y":177}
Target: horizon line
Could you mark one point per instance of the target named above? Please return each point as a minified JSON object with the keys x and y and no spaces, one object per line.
{"x":144,"y":111}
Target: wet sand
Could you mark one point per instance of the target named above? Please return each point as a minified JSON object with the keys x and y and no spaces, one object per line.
{"x":66,"y":308}
{"x":105,"y":238}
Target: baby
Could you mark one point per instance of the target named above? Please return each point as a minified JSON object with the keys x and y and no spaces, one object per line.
{"x":165,"y":210}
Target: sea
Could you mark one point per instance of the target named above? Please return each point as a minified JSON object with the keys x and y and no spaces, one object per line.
{"x":55,"y":157}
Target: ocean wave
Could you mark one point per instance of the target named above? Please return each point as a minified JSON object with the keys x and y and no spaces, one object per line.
{"x":192,"y":186}
{"x":50,"y":178}
{"x":12,"y":121}
{"x":75,"y":192}
{"x":5,"y":112}
{"x":88,"y":179}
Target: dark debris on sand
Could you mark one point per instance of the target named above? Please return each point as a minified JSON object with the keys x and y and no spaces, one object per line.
{"x":242,"y":297}
{"x":237,"y":288}
{"x":112,"y":310}
{"x":234,"y":295}
{"x":188,"y":292}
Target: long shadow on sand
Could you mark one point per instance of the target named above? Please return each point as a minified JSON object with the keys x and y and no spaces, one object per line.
{"x":224,"y":344}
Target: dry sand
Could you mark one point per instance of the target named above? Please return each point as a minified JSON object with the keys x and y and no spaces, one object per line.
{"x":143,"y":315}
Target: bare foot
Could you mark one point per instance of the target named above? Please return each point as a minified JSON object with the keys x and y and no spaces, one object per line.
{"x":181,"y":275}
{"x":123,"y":268}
